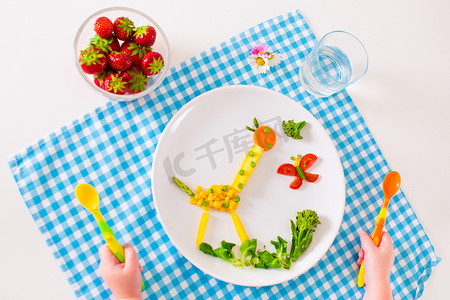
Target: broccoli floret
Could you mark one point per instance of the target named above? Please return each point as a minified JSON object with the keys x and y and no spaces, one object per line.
{"x":292,"y":129}
{"x":302,"y":232}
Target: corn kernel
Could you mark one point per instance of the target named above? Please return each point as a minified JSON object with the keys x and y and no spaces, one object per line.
{"x":198,"y":189}
{"x":222,"y":209}
{"x":199,"y":202}
{"x":192,"y":201}
{"x":232,"y":204}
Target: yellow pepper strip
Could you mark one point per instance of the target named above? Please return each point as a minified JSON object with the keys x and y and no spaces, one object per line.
{"x":201,"y":228}
{"x":239,"y":227}
{"x":247,"y":167}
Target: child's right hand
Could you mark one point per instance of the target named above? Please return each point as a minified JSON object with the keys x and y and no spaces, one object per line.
{"x":124,"y":279}
{"x":378,"y":263}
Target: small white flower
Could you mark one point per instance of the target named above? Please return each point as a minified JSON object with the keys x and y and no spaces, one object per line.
{"x":262,"y":58}
{"x":274,"y":59}
{"x":259,"y":64}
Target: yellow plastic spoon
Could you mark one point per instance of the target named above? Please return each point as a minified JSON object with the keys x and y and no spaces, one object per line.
{"x":89,"y":198}
{"x":391,"y":184}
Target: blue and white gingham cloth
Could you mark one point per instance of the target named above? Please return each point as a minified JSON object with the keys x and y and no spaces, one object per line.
{"x":112,"y":148}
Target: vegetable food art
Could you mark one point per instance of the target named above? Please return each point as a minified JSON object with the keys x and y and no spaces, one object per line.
{"x":225,"y":198}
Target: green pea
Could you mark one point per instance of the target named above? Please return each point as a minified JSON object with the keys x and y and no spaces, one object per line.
{"x":241,"y":172}
{"x":237,"y":199}
{"x":267,"y":130}
{"x":225,"y":187}
{"x":211,"y":190}
{"x":253,"y":164}
{"x":225,"y":205}
{"x":251,"y":154}
{"x":240,"y":185}
{"x":205,"y":203}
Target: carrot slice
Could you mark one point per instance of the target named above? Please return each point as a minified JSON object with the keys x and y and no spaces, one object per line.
{"x":265,"y":137}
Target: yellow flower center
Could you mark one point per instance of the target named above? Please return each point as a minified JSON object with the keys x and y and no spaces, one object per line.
{"x":261,"y":53}
{"x":271,"y":56}
{"x":260,"y":61}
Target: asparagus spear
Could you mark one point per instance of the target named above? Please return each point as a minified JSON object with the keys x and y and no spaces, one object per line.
{"x":183,"y":187}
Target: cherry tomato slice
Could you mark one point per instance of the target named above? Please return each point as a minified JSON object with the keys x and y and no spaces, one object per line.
{"x":296,"y":183}
{"x":287,"y":169}
{"x":307,"y":160}
{"x":311,"y":177}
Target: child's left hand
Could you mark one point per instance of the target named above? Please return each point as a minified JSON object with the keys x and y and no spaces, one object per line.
{"x":124,"y":279}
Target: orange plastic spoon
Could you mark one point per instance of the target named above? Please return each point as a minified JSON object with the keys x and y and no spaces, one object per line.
{"x":391,"y":184}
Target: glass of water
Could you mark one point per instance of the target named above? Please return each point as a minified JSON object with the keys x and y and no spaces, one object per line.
{"x":339,"y":59}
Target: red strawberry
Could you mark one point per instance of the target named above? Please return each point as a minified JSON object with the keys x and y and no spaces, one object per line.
{"x":124,"y":28}
{"x":104,"y":27}
{"x":92,"y":60}
{"x":114,"y":83}
{"x":119,"y":61}
{"x":136,"y":80}
{"x":145,"y":35}
{"x":152,"y":63}
{"x":100,"y":77}
{"x":115,"y":45}
{"x":126,"y":77}
{"x":106,"y":45}
{"x":136,"y":51}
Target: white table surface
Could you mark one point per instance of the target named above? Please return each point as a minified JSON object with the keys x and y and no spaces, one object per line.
{"x":403,"y":99}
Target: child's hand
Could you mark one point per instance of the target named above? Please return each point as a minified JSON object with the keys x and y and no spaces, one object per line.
{"x":378,"y":262}
{"x":124,"y":279}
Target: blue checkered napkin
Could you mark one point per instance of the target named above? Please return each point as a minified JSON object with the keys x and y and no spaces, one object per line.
{"x":112,"y":148}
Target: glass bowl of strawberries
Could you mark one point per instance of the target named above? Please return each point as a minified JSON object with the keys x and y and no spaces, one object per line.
{"x":122,"y":53}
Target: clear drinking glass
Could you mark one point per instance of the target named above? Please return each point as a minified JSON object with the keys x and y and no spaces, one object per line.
{"x":339,"y":59}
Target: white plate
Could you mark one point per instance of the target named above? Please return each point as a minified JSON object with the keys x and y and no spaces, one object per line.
{"x":215,"y":122}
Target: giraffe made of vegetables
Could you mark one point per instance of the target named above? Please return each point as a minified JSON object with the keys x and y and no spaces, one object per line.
{"x":225,"y":198}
